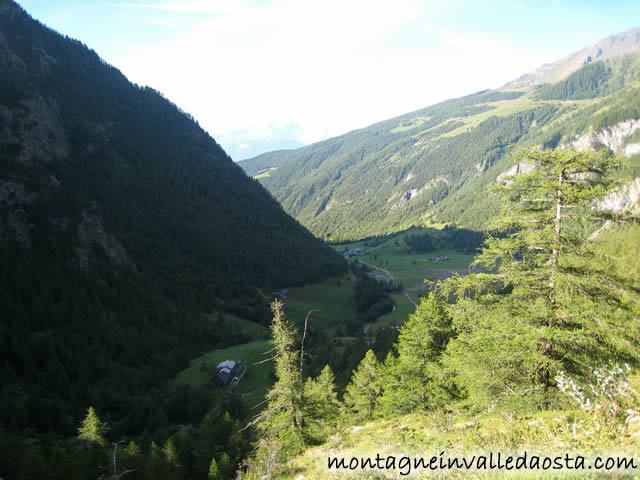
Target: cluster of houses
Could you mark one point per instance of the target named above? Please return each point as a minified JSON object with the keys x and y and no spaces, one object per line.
{"x":354,"y":252}
{"x":442,"y":258}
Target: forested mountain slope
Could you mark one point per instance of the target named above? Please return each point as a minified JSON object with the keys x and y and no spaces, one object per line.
{"x":122,"y":223}
{"x":432,"y":165}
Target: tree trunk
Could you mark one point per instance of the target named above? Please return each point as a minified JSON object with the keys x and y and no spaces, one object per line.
{"x":556,"y":245}
{"x":555,"y":254}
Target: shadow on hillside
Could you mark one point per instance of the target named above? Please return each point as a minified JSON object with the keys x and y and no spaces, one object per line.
{"x":422,"y":240}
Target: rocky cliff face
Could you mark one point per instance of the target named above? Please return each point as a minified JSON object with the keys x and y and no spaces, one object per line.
{"x":36,"y":126}
{"x":14,"y":221}
{"x":91,"y":233}
{"x":613,"y":138}
{"x":524,"y":166}
{"x":626,"y":199}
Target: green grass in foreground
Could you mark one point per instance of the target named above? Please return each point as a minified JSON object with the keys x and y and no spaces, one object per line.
{"x":556,"y":432}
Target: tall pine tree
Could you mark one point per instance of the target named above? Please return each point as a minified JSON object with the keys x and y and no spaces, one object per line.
{"x":322,"y":406}
{"x":545,"y":299}
{"x":281,"y":422}
{"x":412,"y":380}
{"x":363,"y":391}
{"x":93,"y":429}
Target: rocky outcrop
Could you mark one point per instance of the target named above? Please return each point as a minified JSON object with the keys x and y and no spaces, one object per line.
{"x":36,"y":126}
{"x":91,"y":233}
{"x":612,"y":138}
{"x":8,"y":59}
{"x":632,"y":149}
{"x":525,"y":166}
{"x":415,"y":192}
{"x":625,"y":199}
{"x":14,"y":220}
{"x":17,"y":204}
{"x":326,"y":205}
{"x":44,"y":58}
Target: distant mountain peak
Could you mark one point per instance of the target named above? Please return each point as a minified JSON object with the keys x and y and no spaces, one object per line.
{"x":611,"y":47}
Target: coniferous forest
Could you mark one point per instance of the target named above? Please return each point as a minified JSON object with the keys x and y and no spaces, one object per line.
{"x":126,"y":232}
{"x":132,"y":247}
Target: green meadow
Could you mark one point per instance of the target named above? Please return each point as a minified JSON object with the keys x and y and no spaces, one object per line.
{"x":331,"y":305}
{"x":255,"y":382}
{"x":330,"y":301}
{"x":412,"y":270}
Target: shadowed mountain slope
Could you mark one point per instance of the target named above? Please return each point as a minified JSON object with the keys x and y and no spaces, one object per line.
{"x":122,"y":223}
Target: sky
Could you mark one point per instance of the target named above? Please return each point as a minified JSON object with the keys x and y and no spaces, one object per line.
{"x":259,"y":74}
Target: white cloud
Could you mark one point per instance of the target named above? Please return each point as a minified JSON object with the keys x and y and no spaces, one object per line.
{"x":329,"y":66}
{"x":209,"y":7}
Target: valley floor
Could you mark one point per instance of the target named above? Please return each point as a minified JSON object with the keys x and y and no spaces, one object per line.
{"x":332,"y":306}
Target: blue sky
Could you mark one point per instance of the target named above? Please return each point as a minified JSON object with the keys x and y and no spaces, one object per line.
{"x":305,"y":70}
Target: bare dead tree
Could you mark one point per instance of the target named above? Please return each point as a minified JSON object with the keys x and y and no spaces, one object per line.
{"x":114,"y":465}
{"x":304,"y":335}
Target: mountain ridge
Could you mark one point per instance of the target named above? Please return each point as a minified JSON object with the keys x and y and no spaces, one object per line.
{"x":611,"y":47}
{"x":407,"y":170}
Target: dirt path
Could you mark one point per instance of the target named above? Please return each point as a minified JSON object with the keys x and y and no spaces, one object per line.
{"x":409,"y":298}
{"x":385,"y":272}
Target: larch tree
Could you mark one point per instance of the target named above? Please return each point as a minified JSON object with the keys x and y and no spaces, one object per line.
{"x":412,"y":380}
{"x":93,"y":429}
{"x":364,"y":389}
{"x":213,"y":473}
{"x":545,"y":298}
{"x":322,"y":406}
{"x":281,"y":422}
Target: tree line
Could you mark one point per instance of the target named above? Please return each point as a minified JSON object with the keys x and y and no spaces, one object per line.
{"x":547,"y":303}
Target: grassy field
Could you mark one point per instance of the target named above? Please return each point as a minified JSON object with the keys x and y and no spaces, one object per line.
{"x":332,"y":304}
{"x":502,"y":109}
{"x":330,"y":300}
{"x":404,"y":308}
{"x":413,"y":123}
{"x":254,"y":384}
{"x":264,"y":173}
{"x":246,"y":327}
{"x":458,"y":434}
{"x":410,"y":269}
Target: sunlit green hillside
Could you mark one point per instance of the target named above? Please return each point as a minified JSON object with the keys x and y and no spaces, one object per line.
{"x":433,"y":165}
